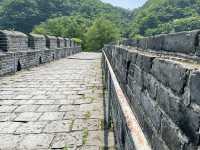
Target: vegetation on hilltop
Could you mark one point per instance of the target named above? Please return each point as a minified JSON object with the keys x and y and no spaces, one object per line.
{"x":23,"y":15}
{"x":164,"y":16}
{"x":80,"y":18}
{"x":101,"y":32}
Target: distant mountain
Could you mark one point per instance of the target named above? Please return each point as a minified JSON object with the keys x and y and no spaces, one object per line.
{"x":154,"y":17}
{"x":164,"y":16}
{"x":23,"y":15}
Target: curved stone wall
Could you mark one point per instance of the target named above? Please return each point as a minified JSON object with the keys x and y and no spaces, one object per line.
{"x":163,"y":89}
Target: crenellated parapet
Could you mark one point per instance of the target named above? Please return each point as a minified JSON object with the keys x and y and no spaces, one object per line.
{"x":67,"y":42}
{"x":19,"y":51}
{"x":51,"y":42}
{"x":187,"y":42}
{"x":36,"y":41}
{"x":60,"y":42}
{"x":13,"y":41}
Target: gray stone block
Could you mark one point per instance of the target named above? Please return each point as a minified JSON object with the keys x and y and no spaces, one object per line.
{"x":151,"y":85}
{"x":144,"y":62}
{"x":67,"y":42}
{"x":138,"y":77}
{"x":172,"y":135}
{"x":72,"y":43}
{"x":170,"y":103}
{"x":190,"y":124}
{"x":158,"y":143}
{"x":151,"y":110}
{"x":194,"y":87}
{"x":170,"y":74}
{"x":36,"y":41}
{"x":156,"y":42}
{"x":13,"y":41}
{"x":60,"y":42}
{"x":182,"y":42}
{"x":51,"y":42}
{"x":142,"y":43}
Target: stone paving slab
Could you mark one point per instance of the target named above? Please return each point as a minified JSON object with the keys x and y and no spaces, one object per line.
{"x":54,"y":106}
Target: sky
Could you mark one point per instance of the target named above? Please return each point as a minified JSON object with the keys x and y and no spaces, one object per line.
{"x":128,"y":4}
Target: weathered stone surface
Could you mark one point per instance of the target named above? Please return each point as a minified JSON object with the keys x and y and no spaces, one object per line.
{"x":68,"y":140}
{"x":91,"y":124}
{"x":194,"y":86}
{"x":26,"y":54}
{"x":158,"y":143}
{"x":60,"y":42}
{"x":177,"y":140}
{"x":7,"y":109}
{"x":156,"y":42}
{"x":48,"y":108}
{"x":26,"y":108}
{"x":51,"y":42}
{"x":31,"y":127}
{"x":138,"y":77}
{"x":36,"y":141}
{"x":162,"y":90}
{"x":9,"y":141}
{"x":8,"y":127}
{"x":13,"y":41}
{"x":190,"y":124}
{"x":58,"y":126}
{"x":144,"y":62}
{"x":170,"y":103}
{"x":41,"y":106}
{"x":52,"y":116}
{"x":152,"y":110}
{"x":170,"y":74}
{"x":28,"y":116}
{"x":183,"y":42}
{"x":151,"y":85}
{"x":36,"y":41}
{"x":7,"y":116}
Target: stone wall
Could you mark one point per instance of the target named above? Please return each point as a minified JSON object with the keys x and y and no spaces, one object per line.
{"x":182,"y":42}
{"x":163,"y":91}
{"x":19,"y":51}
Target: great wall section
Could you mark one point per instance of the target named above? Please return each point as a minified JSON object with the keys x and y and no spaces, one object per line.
{"x":146,"y":90}
{"x":19,"y":51}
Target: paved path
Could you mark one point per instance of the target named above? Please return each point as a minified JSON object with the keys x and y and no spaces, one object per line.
{"x":54,"y":106}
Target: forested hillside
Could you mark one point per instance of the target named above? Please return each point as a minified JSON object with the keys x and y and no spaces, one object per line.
{"x":23,"y":15}
{"x":79,"y":18}
{"x":164,"y":16}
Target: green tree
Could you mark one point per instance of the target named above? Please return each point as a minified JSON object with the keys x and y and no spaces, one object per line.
{"x":164,"y":16}
{"x":101,"y":32}
{"x":23,"y":15}
{"x":72,"y":27}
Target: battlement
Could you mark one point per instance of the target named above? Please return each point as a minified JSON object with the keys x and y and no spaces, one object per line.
{"x":19,"y":51}
{"x":36,"y":41}
{"x":13,"y":41}
{"x":187,"y":42}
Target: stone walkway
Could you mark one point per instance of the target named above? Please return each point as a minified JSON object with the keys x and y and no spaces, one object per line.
{"x":54,"y":106}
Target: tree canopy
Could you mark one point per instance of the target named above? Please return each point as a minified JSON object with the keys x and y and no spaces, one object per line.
{"x":80,"y":18}
{"x":72,"y":27}
{"x":164,"y":16}
{"x":101,"y":32}
{"x":23,"y":15}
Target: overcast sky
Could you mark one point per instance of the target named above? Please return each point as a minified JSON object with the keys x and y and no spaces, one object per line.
{"x":130,"y":4}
